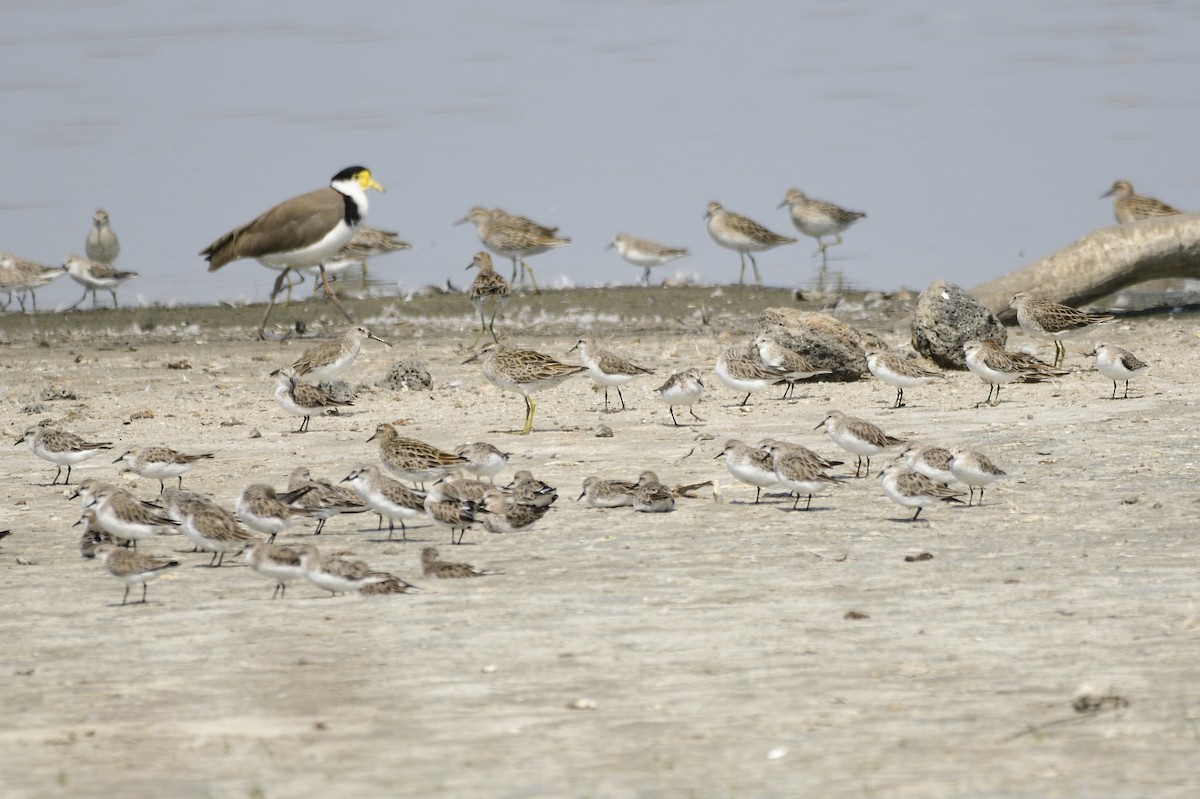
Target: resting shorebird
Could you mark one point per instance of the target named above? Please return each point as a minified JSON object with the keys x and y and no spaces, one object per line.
{"x":303,"y":231}
{"x":1130,"y":207}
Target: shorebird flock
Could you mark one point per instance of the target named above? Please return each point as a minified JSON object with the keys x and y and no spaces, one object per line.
{"x":411,"y":481}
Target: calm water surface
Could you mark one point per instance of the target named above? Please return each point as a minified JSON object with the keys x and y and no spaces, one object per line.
{"x":977,"y":136}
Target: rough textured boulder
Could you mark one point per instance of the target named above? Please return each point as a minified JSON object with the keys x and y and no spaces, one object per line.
{"x":945,"y":318}
{"x":407,"y":376}
{"x":1105,"y":261}
{"x":826,"y":342}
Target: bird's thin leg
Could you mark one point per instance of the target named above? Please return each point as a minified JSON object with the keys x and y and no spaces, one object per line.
{"x":742,"y":273}
{"x":81,"y":299}
{"x":693,"y":413}
{"x":271,"y":302}
{"x":754,"y":263}
{"x":915,"y":515}
{"x":747,"y":399}
{"x":113,"y":292}
{"x":621,"y":396}
{"x":532,"y":280}
{"x":329,"y":292}
{"x":671,"y":408}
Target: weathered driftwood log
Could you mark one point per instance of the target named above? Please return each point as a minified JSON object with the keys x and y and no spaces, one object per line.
{"x":1103,"y":262}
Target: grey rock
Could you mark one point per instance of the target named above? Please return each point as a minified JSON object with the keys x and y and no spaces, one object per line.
{"x":945,"y":318}
{"x":340,"y":390}
{"x":826,"y":342}
{"x":407,"y":376}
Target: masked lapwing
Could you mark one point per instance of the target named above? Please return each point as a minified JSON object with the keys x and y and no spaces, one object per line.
{"x":303,"y":231}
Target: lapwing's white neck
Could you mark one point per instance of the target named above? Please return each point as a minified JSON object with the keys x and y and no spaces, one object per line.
{"x":356,"y":200}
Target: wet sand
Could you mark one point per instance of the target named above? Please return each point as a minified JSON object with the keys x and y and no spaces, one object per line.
{"x":721,"y":650}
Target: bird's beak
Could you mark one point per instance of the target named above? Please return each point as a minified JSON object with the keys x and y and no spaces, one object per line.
{"x":718,"y":456}
{"x":462,"y":221}
{"x":609,"y":246}
{"x":377,"y":338}
{"x":345,"y":479}
{"x":822,"y":424}
{"x":1108,"y":193}
{"x":574,"y":348}
{"x":474,"y":357}
{"x":368,"y":182}
{"x":782,"y":204}
{"x":118,"y":460}
{"x":372,"y":438}
{"x":581,"y":496}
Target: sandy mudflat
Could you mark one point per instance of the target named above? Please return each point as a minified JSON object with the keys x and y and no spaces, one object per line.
{"x":713,"y":640}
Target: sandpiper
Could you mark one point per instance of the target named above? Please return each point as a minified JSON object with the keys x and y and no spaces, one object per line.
{"x":749,"y":465}
{"x":327,"y":360}
{"x":799,"y":475}
{"x":506,"y":516}
{"x":1130,"y":207}
{"x":682,"y":388}
{"x":899,"y":372}
{"x":102,"y":244}
{"x":454,"y":514}
{"x":914,"y":490}
{"x":1049,"y":320}
{"x":432,"y":566}
{"x":20,"y":276}
{"x":975,"y":469}
{"x":522,"y":371}
{"x":213,"y":529}
{"x":488,"y":288}
{"x":858,"y":437}
{"x":645,"y":253}
{"x":817,"y":218}
{"x":60,"y":448}
{"x":607,"y":493}
{"x":389,"y":498}
{"x":411,"y":459}
{"x":93,"y":275}
{"x":606,"y":369}
{"x":302,"y":399}
{"x":745,"y":236}
{"x":931,"y":461}
{"x":993,"y":366}
{"x":1116,"y":364}
{"x":483,"y":459}
{"x":513,"y":237}
{"x":323,"y":498}
{"x":526,"y":489}
{"x":792,"y":366}
{"x":160,"y":463}
{"x":276,"y":562}
{"x":651,"y":496}
{"x":261,"y":509}
{"x":131,"y":568}
{"x":742,"y":369}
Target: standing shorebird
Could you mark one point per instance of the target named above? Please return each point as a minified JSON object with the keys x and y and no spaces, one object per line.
{"x":131,"y":568}
{"x":899,"y":372}
{"x":682,"y":388}
{"x":1117,"y":363}
{"x":413,"y":460}
{"x":605,"y":368}
{"x":745,"y":236}
{"x":513,"y":237}
{"x":741,"y":369}
{"x":1049,"y":320}
{"x":996,"y":367}
{"x":102,"y":244}
{"x":1130,"y":207}
{"x":975,"y":469}
{"x":488,"y":288}
{"x":914,"y":490}
{"x":858,"y":437}
{"x":160,"y":463}
{"x":367,"y":243}
{"x":388,"y":498}
{"x":523,"y":372}
{"x":303,"y":399}
{"x":60,"y":448}
{"x":792,"y":366}
{"x":93,"y":275}
{"x":19,"y":276}
{"x":326,"y":360}
{"x":817,"y":218}
{"x":303,"y":231}
{"x":645,"y":253}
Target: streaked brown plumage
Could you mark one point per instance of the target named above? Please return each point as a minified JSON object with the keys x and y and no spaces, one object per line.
{"x":1130,"y":207}
{"x":735,"y":232}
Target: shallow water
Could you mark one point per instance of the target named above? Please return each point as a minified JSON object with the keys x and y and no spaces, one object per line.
{"x":977,"y":138}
